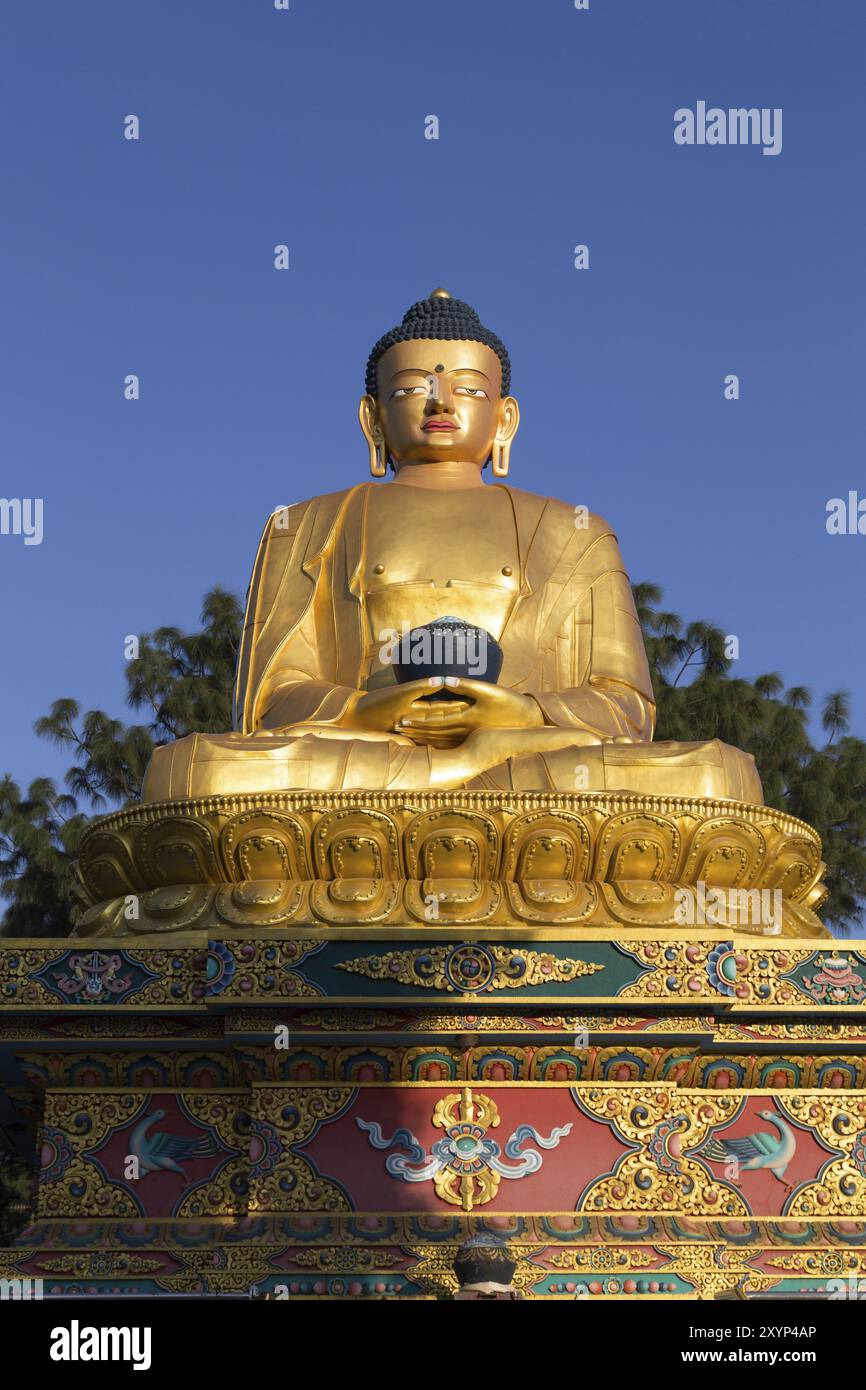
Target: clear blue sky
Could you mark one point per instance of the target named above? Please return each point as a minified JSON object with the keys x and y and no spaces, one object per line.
{"x":306,"y":127}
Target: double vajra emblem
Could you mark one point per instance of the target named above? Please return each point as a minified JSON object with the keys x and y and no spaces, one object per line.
{"x":466,"y":1166}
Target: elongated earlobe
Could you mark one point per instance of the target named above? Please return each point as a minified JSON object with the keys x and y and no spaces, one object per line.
{"x":500,"y":453}
{"x":368,"y":415}
{"x":378,"y":459}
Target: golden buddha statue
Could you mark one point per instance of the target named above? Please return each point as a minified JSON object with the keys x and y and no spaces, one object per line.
{"x":319,"y":706}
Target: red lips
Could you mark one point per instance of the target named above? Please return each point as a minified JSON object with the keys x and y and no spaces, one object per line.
{"x":439,"y":425}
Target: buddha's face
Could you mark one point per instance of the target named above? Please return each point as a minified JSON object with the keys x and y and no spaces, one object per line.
{"x":439,"y":400}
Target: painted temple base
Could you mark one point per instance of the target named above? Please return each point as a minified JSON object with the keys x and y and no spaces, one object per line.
{"x":305,"y":1046}
{"x":619,"y":860}
{"x":574,"y":1095}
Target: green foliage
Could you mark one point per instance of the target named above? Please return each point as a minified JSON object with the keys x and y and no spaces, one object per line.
{"x":184,"y":683}
{"x":697,"y":698}
{"x":39,"y":837}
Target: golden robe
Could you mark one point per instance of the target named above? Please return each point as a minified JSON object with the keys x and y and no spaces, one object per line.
{"x":333,"y":575}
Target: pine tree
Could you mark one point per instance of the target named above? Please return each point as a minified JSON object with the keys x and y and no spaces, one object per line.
{"x":184,"y":682}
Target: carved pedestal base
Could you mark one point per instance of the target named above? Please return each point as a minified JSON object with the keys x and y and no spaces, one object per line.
{"x":494,"y":859}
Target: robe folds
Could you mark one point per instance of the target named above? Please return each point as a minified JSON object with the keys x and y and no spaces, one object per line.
{"x":564,"y":618}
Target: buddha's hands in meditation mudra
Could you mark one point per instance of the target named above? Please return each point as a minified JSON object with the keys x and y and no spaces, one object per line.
{"x":413,"y":710}
{"x":318,"y":707}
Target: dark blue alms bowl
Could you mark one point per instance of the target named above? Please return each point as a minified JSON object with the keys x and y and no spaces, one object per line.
{"x":448,"y":647}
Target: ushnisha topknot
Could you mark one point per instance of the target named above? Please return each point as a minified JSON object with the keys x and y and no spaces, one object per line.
{"x":438,"y":316}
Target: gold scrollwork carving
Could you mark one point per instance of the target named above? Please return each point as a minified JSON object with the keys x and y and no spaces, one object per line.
{"x":374,"y":857}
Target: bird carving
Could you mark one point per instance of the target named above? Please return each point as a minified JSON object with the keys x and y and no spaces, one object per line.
{"x":752,"y":1151}
{"x":167,"y":1151}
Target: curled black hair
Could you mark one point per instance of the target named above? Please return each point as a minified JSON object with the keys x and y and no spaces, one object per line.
{"x":447,"y":319}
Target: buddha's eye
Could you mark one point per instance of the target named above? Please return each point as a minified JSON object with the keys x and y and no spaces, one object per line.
{"x":409,"y":391}
{"x":470,"y":391}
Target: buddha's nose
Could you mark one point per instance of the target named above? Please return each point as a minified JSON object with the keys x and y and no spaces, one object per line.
{"x":440,"y":400}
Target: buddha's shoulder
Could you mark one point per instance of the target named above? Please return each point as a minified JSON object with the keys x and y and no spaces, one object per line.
{"x":321,"y":510}
{"x":561,"y":516}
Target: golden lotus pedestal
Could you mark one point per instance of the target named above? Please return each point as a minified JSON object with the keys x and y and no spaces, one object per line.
{"x":463,"y":859}
{"x":307,"y":1044}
